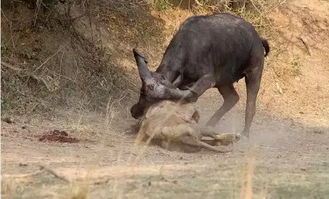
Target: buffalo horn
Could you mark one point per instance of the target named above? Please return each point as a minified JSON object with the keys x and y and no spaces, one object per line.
{"x":141,"y":62}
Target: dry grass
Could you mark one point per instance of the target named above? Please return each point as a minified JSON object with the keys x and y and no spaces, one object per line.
{"x":78,"y":192}
{"x":242,"y":180}
{"x":217,"y":180}
{"x":247,"y":180}
{"x":53,"y":58}
{"x":77,"y":65}
{"x":79,"y":62}
{"x":254,"y":11}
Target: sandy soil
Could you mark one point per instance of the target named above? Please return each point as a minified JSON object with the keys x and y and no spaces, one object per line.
{"x":91,"y":155}
{"x":283,"y":159}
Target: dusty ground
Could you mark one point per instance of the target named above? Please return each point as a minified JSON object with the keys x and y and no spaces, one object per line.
{"x":79,"y":153}
{"x":283,"y":159}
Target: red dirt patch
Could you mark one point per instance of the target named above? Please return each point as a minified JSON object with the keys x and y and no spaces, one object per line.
{"x":58,"y":136}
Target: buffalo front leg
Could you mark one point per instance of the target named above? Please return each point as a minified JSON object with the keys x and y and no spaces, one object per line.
{"x":200,"y":86}
{"x":189,"y":94}
{"x":231,"y":97}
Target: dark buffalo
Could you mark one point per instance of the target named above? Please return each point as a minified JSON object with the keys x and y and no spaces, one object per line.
{"x":206,"y":52}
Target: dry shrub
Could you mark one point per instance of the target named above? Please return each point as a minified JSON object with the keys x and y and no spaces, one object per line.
{"x":71,"y":54}
{"x":78,"y":54}
{"x":254,"y":11}
{"x":79,"y":192}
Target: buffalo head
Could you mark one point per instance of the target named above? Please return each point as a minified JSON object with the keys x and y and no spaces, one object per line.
{"x":155,"y":87}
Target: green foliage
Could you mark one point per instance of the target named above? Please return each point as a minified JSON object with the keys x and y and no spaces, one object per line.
{"x":161,"y":4}
{"x":296,"y":66}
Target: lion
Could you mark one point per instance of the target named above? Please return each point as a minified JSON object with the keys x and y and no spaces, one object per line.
{"x":174,"y":126}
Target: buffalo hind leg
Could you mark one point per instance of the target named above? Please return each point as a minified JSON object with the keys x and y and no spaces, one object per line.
{"x":252,"y":79}
{"x":231,"y":97}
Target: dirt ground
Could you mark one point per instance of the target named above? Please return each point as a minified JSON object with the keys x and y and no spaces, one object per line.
{"x":91,"y":154}
{"x":282,"y":159}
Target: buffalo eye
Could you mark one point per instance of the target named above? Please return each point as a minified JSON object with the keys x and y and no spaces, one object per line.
{"x":150,"y":87}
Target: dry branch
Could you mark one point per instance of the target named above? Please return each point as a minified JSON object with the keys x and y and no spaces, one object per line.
{"x":11,"y":66}
{"x":43,"y":168}
{"x":51,"y":56}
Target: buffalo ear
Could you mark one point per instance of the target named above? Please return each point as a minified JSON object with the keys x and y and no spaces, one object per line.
{"x":178,"y":81}
{"x":141,"y":62}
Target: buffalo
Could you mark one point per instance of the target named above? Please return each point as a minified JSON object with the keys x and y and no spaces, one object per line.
{"x":212,"y":51}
